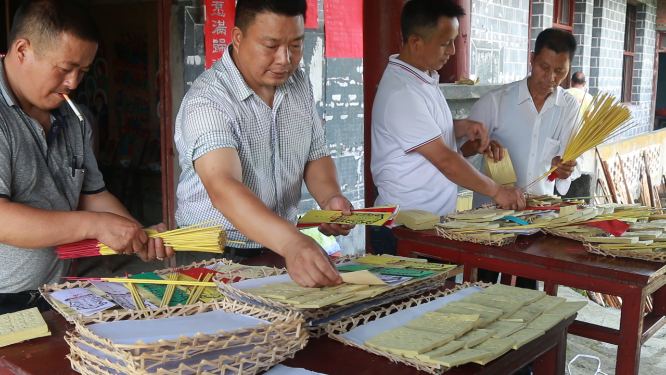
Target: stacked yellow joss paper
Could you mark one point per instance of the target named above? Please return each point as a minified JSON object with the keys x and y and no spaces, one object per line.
{"x":21,"y":326}
{"x":373,"y":276}
{"x":479,"y":328}
{"x":491,"y":226}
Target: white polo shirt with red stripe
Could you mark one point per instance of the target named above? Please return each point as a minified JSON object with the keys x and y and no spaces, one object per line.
{"x":410,"y":111}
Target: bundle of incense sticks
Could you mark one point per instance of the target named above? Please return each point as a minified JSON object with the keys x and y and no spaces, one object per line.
{"x":604,"y":119}
{"x":211,"y":239}
{"x":143,"y":281}
{"x":196,"y":293}
{"x":168,"y":293}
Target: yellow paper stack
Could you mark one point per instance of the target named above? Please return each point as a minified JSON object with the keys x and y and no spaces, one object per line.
{"x":21,"y":326}
{"x":501,"y":172}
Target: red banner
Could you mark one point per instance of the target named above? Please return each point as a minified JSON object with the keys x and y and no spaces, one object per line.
{"x":217,"y":30}
{"x":343,"y":23}
{"x":312,"y":15}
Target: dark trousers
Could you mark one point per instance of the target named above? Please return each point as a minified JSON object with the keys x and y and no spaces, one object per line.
{"x":491,"y":277}
{"x":13,"y":302}
{"x":383,"y":241}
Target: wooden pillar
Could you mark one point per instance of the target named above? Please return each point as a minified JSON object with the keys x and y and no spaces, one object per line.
{"x":458,"y":64}
{"x":381,"y":38}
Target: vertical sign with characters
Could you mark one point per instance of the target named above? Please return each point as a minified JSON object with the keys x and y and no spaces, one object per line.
{"x":219,"y":22}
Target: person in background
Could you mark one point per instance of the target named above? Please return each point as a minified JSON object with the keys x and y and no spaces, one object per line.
{"x":51,"y":191}
{"x":533,"y":118}
{"x":249,"y":135}
{"x":579,"y":92}
{"x":415,"y":159}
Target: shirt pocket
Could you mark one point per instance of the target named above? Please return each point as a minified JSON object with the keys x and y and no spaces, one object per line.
{"x":550,"y":149}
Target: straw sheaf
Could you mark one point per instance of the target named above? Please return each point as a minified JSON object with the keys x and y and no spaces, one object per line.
{"x":336,"y":330}
{"x":652,"y":257}
{"x":284,"y":330}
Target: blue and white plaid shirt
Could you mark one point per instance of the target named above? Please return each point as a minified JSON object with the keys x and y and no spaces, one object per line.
{"x":274,"y":144}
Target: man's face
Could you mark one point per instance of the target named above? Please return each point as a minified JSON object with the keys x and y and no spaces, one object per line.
{"x":56,"y":72}
{"x":549,"y":69}
{"x":435,"y":51}
{"x":270,"y":49}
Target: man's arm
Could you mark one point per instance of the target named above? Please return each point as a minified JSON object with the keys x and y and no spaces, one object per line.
{"x":459,"y":171}
{"x":106,"y":202}
{"x":29,"y":227}
{"x":221,"y":174}
{"x":321,"y":179}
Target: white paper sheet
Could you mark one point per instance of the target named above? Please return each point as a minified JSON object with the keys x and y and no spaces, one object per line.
{"x":83,"y":300}
{"x":151,"y":330}
{"x":393,"y":280}
{"x":284,"y":370}
{"x":369,"y":330}
{"x":120,"y":294}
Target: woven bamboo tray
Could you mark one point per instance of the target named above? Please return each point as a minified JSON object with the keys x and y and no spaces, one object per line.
{"x":480,"y":240}
{"x":335,"y":331}
{"x":120,"y":313}
{"x":652,"y":256}
{"x":315,"y":314}
{"x":572,"y":236}
{"x":259,"y":347}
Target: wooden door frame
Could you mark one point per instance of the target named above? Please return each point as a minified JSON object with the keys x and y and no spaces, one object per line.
{"x":655,"y":75}
{"x":164,"y":9}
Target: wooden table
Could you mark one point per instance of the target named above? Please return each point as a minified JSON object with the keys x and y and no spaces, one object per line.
{"x":546,"y":258}
{"x":46,"y":356}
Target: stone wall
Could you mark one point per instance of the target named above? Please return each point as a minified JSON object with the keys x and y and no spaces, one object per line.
{"x":499,"y":44}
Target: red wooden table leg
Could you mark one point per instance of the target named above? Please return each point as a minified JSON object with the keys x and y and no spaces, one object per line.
{"x":507,"y":279}
{"x":553,"y":361}
{"x":631,"y":331}
{"x":550,"y":288}
{"x":659,"y":301}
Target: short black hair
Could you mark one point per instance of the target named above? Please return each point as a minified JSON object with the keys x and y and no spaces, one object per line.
{"x":247,"y":10}
{"x":556,"y":40}
{"x":43,"y":21}
{"x":578,"y":78}
{"x":420,"y":17}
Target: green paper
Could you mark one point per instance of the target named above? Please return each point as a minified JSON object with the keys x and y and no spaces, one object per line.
{"x":179,"y":297}
{"x":355,"y":267}
{"x":404,"y":272}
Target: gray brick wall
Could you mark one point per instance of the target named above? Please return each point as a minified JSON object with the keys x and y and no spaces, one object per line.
{"x":607,"y":46}
{"x":499,"y":42}
{"x":542,"y":18}
{"x":644,"y":67}
{"x":583,"y":11}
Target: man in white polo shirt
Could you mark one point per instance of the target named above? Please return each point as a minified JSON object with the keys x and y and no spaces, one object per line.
{"x":414,"y":153}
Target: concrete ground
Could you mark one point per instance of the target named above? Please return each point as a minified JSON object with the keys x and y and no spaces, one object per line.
{"x":653,"y":353}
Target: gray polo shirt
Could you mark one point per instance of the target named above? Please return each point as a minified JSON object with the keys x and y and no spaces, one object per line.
{"x":47,"y":171}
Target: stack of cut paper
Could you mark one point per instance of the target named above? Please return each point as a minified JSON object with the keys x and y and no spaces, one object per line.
{"x":381,"y":215}
{"x":21,"y":326}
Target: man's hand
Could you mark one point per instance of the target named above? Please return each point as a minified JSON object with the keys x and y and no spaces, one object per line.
{"x":564,"y":170}
{"x":510,"y":198}
{"x":475,"y":131}
{"x":122,"y":235}
{"x":309,"y":265}
{"x":156,"y":249}
{"x":337,"y":203}
{"x":495,"y":151}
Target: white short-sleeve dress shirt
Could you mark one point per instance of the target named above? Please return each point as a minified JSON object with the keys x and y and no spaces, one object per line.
{"x":410,"y":111}
{"x":532,"y":138}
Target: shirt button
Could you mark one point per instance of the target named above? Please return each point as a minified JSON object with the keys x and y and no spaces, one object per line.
{"x":532,"y":155}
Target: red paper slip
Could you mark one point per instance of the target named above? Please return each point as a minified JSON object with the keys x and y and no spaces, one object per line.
{"x":614,"y":227}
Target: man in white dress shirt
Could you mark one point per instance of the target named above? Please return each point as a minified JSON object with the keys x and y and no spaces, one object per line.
{"x":415,"y":159}
{"x":533,"y":118}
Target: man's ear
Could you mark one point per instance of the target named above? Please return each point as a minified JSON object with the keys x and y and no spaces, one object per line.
{"x":22,"y":47}
{"x":236,"y":38}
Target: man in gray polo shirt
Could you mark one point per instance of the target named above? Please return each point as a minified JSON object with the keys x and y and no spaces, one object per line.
{"x":248,"y":135}
{"x":51,"y":191}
